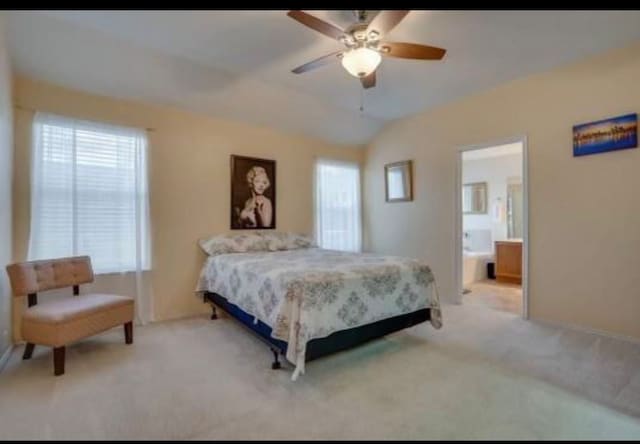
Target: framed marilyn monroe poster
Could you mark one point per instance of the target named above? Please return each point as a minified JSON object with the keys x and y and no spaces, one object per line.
{"x":253,"y":193}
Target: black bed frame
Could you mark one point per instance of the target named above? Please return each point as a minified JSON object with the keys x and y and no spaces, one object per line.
{"x":316,"y":348}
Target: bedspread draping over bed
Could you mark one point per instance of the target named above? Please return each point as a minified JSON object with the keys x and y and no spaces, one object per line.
{"x":310,"y":293}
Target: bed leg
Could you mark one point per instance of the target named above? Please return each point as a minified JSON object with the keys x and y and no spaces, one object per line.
{"x":276,"y":364}
{"x":214,"y":315}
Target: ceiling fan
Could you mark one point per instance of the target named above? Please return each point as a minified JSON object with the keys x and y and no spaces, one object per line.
{"x":363,"y":44}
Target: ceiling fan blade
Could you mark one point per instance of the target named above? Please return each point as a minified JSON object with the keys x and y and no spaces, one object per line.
{"x":385,"y":21}
{"x":369,"y":81}
{"x":320,"y":61}
{"x":316,"y":24}
{"x":411,"y":51}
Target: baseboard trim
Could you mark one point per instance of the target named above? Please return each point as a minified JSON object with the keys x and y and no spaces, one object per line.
{"x":5,"y":357}
{"x":593,"y":331}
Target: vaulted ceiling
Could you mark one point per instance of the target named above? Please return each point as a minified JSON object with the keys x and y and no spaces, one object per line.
{"x":237,"y":64}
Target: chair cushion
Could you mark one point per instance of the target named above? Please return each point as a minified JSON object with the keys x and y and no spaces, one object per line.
{"x":74,"y":307}
{"x":63,"y":321}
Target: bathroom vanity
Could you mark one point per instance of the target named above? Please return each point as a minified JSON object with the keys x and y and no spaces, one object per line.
{"x":509,"y":261}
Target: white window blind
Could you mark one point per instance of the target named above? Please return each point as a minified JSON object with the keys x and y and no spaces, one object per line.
{"x":89,"y":193}
{"x":337,"y":200}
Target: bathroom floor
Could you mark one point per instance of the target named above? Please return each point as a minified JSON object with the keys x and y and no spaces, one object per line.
{"x":494,"y":295}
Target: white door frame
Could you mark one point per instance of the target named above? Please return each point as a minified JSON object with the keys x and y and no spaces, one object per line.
{"x":525,"y":224}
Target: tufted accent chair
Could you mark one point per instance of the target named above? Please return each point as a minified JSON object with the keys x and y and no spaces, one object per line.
{"x":59,"y":323}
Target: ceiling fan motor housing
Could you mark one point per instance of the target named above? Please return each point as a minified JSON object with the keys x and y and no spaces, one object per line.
{"x":356,"y":36}
{"x":361,"y":15}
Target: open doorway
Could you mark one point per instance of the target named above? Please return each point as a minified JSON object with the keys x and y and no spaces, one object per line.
{"x":491,"y":219}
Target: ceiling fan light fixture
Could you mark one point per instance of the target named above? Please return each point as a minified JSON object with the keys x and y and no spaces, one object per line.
{"x":360,"y":62}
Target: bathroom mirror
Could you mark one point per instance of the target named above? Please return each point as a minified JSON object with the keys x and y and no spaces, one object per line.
{"x":474,"y":198}
{"x":514,"y":208}
{"x":398,"y":181}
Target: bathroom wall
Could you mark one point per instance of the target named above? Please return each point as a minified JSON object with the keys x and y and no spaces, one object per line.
{"x":496,"y":172}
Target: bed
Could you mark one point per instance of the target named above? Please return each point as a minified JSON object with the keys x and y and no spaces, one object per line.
{"x":307,"y":302}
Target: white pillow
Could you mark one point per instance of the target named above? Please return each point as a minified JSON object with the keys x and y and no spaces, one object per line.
{"x":288,"y":241}
{"x":254,"y":241}
{"x":234,"y":243}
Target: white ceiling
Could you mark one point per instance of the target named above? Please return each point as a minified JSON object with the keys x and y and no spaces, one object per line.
{"x":510,"y":149}
{"x":237,"y":64}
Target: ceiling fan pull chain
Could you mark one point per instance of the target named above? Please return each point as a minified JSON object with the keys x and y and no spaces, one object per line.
{"x":361,"y":99}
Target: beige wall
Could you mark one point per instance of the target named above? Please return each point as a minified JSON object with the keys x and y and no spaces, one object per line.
{"x":6,"y":156}
{"x":584,"y":212}
{"x":189,"y":178}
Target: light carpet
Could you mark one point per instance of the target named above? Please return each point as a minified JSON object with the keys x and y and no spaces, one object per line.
{"x":495,"y":295}
{"x":485,"y":375}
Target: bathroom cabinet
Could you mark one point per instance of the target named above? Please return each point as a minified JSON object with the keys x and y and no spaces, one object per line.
{"x":509,"y":261}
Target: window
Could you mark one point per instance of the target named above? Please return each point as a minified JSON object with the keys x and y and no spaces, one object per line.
{"x":338,"y":224}
{"x":89,"y":193}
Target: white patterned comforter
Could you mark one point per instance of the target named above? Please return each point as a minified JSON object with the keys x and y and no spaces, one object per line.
{"x":310,"y":293}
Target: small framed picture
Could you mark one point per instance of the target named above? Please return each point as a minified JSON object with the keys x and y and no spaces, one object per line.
{"x":398,"y":181}
{"x":253,"y":193}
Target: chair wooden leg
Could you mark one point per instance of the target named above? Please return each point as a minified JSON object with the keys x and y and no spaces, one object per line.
{"x":28,"y":350}
{"x":128,"y":332}
{"x":58,"y":361}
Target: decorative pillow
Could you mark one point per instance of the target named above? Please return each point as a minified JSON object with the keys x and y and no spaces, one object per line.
{"x":288,"y":241}
{"x":300,"y":241}
{"x":276,"y":241}
{"x":234,"y":243}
